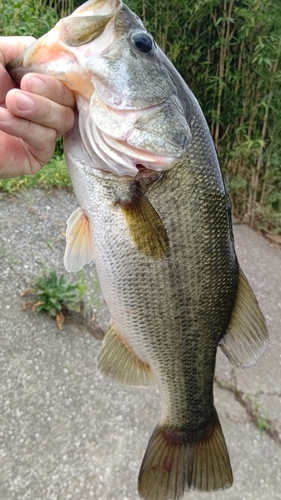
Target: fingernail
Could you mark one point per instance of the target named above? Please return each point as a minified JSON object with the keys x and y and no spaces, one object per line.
{"x":23,"y":101}
{"x":37,"y":85}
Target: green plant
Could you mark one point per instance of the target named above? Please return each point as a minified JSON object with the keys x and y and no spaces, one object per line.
{"x":252,"y":406}
{"x":53,"y":175}
{"x":32,"y":17}
{"x":262,"y":423}
{"x":53,"y":295}
{"x":27,"y":18}
{"x":229,"y":53}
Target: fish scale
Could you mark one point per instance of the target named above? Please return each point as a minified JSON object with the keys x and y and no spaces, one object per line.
{"x":154,"y":215}
{"x":128,"y":284}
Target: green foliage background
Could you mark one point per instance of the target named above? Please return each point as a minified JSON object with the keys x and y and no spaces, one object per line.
{"x":229,"y":53}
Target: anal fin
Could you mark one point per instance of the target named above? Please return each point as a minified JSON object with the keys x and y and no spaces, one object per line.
{"x":177,"y":460}
{"x":247,"y":336}
{"x":79,"y":243}
{"x":118,"y":361}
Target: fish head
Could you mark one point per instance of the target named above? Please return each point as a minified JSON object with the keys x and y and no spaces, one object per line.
{"x":131,"y":117}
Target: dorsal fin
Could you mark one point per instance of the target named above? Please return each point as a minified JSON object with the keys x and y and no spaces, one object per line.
{"x":246,"y":337}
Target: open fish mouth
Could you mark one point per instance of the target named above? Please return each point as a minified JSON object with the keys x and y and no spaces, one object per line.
{"x":64,"y":51}
{"x":130,"y":117}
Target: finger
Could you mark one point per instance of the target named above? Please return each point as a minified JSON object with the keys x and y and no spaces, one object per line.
{"x":15,"y":158}
{"x":6,"y":84}
{"x":12,"y":46}
{"x":40,"y":110}
{"x":49,"y":87}
{"x":41,"y":139}
{"x":23,"y":149}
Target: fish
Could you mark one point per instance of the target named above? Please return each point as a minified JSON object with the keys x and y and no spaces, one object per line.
{"x":155,"y":217}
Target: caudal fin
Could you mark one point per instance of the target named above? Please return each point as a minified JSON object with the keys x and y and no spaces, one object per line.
{"x":173,"y":462}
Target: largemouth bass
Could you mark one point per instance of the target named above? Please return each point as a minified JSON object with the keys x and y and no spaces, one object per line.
{"x":154,"y":215}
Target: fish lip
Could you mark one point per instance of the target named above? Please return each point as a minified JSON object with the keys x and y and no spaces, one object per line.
{"x":85,"y":8}
{"x":136,"y":157}
{"x":113,"y":149}
{"x":146,"y":173}
{"x":116,"y":103}
{"x":23,"y":64}
{"x":139,"y":159}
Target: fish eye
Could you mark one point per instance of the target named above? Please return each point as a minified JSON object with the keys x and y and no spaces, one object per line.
{"x":143,"y":42}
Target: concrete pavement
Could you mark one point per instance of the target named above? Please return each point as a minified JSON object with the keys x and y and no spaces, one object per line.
{"x":66,"y":433}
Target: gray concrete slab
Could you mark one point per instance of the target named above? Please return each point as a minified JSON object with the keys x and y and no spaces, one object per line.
{"x":66,"y":433}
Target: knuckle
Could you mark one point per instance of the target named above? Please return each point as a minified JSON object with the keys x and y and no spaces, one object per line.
{"x":69,"y":122}
{"x":65,"y":95}
{"x":46,"y":139}
{"x":62,"y":92}
{"x":66,"y":122}
{"x":48,"y":111}
{"x":51,"y":135}
{"x":29,"y":128}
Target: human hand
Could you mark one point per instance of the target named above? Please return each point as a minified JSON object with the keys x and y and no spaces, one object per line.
{"x":33,"y":117}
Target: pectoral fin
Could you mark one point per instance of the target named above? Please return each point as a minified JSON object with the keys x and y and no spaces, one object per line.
{"x":247,"y":336}
{"x":118,"y":361}
{"x":146,"y":227}
{"x":79,"y":242}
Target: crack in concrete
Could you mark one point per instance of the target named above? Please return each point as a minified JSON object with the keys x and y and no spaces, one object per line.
{"x":263,"y":424}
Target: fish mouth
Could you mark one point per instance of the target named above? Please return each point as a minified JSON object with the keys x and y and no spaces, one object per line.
{"x":122,"y":134}
{"x":60,"y":51}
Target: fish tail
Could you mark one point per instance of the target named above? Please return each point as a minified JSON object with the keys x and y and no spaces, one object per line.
{"x":177,"y":460}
